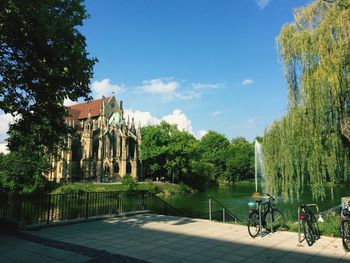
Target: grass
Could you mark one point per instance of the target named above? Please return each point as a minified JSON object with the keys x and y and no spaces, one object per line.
{"x":158,"y":188}
{"x":330,"y":226}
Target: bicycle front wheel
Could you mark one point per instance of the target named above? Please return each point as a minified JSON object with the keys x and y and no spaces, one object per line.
{"x":274,"y":220}
{"x":253,"y":224}
{"x":345,"y":234}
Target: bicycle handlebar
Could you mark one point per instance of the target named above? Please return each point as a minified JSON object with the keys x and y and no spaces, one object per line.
{"x":271,"y":196}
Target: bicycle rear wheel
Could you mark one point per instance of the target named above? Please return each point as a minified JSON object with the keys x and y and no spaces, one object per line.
{"x":314,"y":227}
{"x":308,"y":234}
{"x":345,"y":234}
{"x":254,"y":224}
{"x":274,"y":220}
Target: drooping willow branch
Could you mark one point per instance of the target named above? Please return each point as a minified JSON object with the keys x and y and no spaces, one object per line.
{"x":309,"y":146}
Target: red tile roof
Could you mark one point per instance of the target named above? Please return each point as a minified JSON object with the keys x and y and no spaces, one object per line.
{"x":81,"y":110}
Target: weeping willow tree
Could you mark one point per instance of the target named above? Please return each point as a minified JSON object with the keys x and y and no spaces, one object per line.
{"x":310,"y":145}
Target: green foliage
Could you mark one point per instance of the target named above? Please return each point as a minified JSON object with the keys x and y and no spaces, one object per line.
{"x":22,"y":171}
{"x":213,"y":148}
{"x":330,"y":226}
{"x":179,"y":157}
{"x":43,"y":60}
{"x":166,"y":152}
{"x":240,"y":160}
{"x":154,"y":187}
{"x":129,"y":182}
{"x":310,"y":144}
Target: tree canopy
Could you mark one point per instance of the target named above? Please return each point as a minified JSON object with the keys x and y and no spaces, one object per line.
{"x":240,"y":160}
{"x":43,"y":60}
{"x":213,"y":147}
{"x":310,"y":144}
{"x":166,"y":151}
{"x":179,"y":157}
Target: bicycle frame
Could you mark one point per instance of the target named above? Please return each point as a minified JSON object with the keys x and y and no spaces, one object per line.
{"x":263,"y":209}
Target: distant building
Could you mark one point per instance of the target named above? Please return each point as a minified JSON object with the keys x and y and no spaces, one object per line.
{"x":105,"y":146}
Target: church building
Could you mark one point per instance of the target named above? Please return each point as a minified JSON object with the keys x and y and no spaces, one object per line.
{"x":105,"y":146}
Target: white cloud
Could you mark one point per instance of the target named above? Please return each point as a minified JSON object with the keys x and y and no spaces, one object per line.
{"x":206,"y":86}
{"x":104,"y":87}
{"x":216,"y":113}
{"x":180,"y":119}
{"x":159,"y":86}
{"x":176,"y":117}
{"x":5,"y":120}
{"x":199,"y":134}
{"x":186,"y":95}
{"x":247,"y":82}
{"x":262,"y":3}
{"x":3,"y":148}
{"x":168,"y":88}
{"x":249,"y":123}
{"x":68,"y":102}
{"x":145,"y":118}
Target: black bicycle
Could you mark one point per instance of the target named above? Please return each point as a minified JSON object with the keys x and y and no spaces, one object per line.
{"x":345,"y":226}
{"x":271,"y":218}
{"x":309,"y":224}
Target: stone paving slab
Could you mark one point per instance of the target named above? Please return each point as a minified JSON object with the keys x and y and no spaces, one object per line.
{"x":156,"y":238}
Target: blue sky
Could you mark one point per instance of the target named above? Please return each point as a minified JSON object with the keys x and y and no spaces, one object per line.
{"x":203,"y":64}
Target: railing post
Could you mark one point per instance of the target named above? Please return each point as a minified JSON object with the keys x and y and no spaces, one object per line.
{"x":223,"y":215}
{"x":87,"y":206}
{"x":143,"y":200}
{"x":260,"y":221}
{"x":299,"y":235}
{"x":210,"y":208}
{"x":48,"y":210}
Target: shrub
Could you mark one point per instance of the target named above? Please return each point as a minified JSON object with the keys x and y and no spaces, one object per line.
{"x":129,"y":182}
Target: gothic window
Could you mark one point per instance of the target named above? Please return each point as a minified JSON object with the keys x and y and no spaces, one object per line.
{"x":116,"y":168}
{"x":131,"y":148}
{"x":95,"y":143}
{"x":128,"y":168}
{"x":112,"y":145}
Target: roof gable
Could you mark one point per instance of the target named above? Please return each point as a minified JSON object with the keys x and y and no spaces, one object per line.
{"x":81,"y":110}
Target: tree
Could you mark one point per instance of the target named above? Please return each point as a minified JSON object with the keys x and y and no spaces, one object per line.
{"x":154,"y":148}
{"x":43,"y":60}
{"x":22,"y":171}
{"x":213,"y":147}
{"x":167,"y":152}
{"x":240,"y":160}
{"x":310,"y":144}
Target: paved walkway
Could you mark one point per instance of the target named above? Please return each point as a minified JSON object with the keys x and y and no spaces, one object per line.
{"x":155,"y":238}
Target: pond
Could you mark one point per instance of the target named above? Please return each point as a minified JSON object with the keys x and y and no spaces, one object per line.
{"x":237,"y":197}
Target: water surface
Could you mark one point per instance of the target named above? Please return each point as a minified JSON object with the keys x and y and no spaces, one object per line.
{"x":237,"y":197}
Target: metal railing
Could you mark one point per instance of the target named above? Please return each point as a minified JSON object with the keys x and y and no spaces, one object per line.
{"x":48,"y":208}
{"x":224,"y":212}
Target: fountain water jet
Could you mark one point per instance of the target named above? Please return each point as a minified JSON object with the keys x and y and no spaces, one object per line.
{"x":259,"y":167}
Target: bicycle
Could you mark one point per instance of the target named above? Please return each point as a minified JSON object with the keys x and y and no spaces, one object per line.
{"x":270,"y":217}
{"x":345,"y":226}
{"x":309,"y":224}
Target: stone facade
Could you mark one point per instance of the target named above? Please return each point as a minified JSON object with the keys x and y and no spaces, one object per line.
{"x":105,"y":146}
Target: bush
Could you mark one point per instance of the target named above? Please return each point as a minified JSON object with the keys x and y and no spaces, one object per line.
{"x":129,"y":182}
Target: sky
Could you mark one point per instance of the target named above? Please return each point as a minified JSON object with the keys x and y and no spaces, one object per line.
{"x":201,"y":64}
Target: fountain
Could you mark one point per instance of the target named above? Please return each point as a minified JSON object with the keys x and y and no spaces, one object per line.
{"x":259,"y":168}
